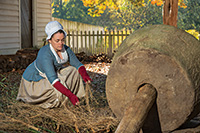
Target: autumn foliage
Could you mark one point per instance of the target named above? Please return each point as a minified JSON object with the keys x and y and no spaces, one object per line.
{"x":161,"y":2}
{"x":97,"y":7}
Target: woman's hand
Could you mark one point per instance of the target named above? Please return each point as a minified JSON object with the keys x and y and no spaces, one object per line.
{"x":60,"y":87}
{"x":74,"y":99}
{"x":84,"y":74}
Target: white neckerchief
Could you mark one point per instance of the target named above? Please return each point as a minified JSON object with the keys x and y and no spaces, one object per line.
{"x":64,"y":55}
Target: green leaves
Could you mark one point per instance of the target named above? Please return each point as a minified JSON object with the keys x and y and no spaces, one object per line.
{"x":188,"y":18}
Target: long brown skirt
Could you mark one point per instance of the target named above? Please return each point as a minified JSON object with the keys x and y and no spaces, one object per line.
{"x":43,"y":94}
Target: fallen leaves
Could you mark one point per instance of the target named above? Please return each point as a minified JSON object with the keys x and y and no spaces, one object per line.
{"x":98,"y":67}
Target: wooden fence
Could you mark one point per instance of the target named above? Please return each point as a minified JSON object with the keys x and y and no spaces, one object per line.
{"x":96,"y":42}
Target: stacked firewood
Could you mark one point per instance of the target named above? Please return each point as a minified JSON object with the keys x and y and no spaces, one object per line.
{"x":26,"y":56}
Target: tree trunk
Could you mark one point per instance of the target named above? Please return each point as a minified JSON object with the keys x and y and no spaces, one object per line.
{"x":170,"y":12}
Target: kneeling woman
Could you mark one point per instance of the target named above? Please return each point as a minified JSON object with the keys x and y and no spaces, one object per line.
{"x":48,"y":84}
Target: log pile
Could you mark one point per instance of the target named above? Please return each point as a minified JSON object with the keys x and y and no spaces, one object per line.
{"x":24,"y":57}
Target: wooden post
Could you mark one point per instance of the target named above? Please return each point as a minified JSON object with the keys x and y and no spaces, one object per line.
{"x":170,"y":12}
{"x":122,"y":35}
{"x":82,"y":41}
{"x":73,"y":41}
{"x":93,"y":43}
{"x":114,"y":40}
{"x":106,"y":43}
{"x":77,"y":46}
{"x":90,"y":49}
{"x":68,"y":34}
{"x":137,"y":110}
{"x":86,"y":43}
{"x":98,"y":48}
{"x":117,"y":38}
{"x":101,"y":37}
{"x":110,"y":45}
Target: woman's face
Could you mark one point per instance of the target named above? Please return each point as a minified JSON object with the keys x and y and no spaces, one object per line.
{"x":57,"y":41}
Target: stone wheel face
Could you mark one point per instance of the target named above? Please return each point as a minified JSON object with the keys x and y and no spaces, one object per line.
{"x":129,"y":72}
{"x":157,"y":55}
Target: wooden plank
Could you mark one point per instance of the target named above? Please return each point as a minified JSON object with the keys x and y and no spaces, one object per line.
{"x":9,"y":24}
{"x":93,"y":42}
{"x":43,"y":20}
{"x":105,"y":42}
{"x":41,"y":33}
{"x":89,"y":37}
{"x":40,"y":38}
{"x":113,"y":44}
{"x":102,"y":47}
{"x":82,"y":41}
{"x":42,"y":29}
{"x":77,"y":46}
{"x":39,"y":10}
{"x":73,"y":40}
{"x":44,"y":15}
{"x":9,"y":18}
{"x":9,"y":40}
{"x":98,"y":48}
{"x":68,"y":39}
{"x":118,"y":38}
{"x":7,"y":29}
{"x":9,"y":13}
{"x":110,"y":44}
{"x":86,"y":42}
{"x":40,"y":42}
{"x":10,"y":7}
{"x":9,"y":45}
{"x":10,"y":2}
{"x":44,"y":1}
{"x":44,"y":6}
{"x":9,"y":34}
{"x":41,"y":24}
{"x":9,"y":51}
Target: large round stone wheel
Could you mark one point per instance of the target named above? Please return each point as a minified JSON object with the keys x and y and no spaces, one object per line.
{"x":167,"y":58}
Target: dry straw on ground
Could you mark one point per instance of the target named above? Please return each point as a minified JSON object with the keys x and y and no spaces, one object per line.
{"x":86,"y":117}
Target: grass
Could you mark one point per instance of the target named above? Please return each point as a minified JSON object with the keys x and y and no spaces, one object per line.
{"x":19,"y":117}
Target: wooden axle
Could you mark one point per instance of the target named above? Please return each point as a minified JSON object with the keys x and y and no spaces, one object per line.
{"x":137,"y":110}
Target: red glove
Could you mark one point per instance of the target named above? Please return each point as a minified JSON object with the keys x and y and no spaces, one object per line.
{"x":73,"y":98}
{"x":84,"y":74}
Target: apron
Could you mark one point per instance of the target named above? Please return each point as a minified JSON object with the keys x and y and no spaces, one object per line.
{"x":43,"y":94}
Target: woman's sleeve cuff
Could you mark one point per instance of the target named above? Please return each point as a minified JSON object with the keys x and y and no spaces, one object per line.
{"x":55,"y":81}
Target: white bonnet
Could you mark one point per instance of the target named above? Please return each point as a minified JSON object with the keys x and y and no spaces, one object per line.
{"x":52,"y":27}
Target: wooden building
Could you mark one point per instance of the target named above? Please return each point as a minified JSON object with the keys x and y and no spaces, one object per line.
{"x":22,"y":24}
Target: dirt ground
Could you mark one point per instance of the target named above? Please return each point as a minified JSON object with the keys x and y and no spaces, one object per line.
{"x":93,"y":115}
